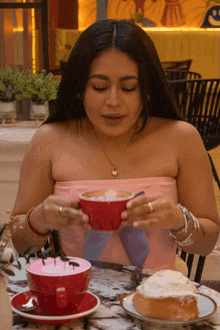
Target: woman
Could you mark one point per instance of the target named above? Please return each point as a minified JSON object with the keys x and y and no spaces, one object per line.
{"x":116,"y":126}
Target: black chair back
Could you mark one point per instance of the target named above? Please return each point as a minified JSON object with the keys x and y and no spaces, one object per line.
{"x":189,"y":258}
{"x":182,"y":65}
{"x":199,"y":103}
{"x":177,"y":74}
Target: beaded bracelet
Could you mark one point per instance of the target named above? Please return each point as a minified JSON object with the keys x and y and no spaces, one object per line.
{"x":187,"y":216}
{"x":31,"y":228}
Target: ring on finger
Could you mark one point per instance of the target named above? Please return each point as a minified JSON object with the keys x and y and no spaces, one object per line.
{"x":61,"y":211}
{"x":150,"y":207}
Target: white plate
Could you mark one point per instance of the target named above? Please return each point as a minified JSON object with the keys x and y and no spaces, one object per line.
{"x":206,"y":306}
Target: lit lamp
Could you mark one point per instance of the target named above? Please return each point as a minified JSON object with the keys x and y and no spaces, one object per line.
{"x":18,"y":45}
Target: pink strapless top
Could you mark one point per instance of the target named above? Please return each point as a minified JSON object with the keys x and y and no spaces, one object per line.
{"x":162,"y":246}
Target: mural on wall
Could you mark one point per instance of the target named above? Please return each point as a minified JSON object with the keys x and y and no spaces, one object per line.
{"x":212,"y":18}
{"x":153,"y":13}
{"x":198,"y":14}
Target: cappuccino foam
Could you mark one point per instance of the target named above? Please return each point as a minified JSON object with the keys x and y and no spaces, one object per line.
{"x":58,"y":268}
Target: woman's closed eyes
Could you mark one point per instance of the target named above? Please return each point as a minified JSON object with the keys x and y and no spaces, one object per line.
{"x":125,"y":89}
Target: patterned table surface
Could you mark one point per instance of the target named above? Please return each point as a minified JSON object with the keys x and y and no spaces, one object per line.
{"x":110,"y":282}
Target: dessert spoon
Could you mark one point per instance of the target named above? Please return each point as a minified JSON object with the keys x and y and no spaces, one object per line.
{"x":28,"y":307}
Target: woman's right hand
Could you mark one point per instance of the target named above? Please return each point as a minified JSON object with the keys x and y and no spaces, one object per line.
{"x":57,"y":212}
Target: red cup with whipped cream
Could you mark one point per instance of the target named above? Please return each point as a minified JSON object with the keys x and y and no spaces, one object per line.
{"x":59,"y":286}
{"x":104,"y":207}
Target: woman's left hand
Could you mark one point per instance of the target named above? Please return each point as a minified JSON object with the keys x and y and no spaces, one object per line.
{"x":150,"y":211}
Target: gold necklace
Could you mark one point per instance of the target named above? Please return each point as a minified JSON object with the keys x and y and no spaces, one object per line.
{"x":114,"y":172}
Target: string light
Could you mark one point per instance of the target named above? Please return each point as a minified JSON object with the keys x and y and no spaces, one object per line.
{"x":33,"y":30}
{"x":19,"y":29}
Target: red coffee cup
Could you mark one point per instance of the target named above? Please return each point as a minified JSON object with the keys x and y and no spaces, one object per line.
{"x":104,"y":208}
{"x":58,"y":286}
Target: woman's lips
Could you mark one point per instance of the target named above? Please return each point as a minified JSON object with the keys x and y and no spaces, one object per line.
{"x":113,"y":120}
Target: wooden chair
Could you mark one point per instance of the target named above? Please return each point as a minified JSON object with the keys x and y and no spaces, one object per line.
{"x":182,"y":65}
{"x":199,"y":103}
{"x":177,"y":74}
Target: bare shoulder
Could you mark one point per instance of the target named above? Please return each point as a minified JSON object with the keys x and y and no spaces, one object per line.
{"x":181,"y":137}
{"x":178,"y":125}
{"x":47,"y":132}
{"x":183,"y":128}
{"x":182,"y":131}
{"x":187,"y":136}
{"x":44,"y":141}
{"x":185,"y":141}
{"x":52,"y":134}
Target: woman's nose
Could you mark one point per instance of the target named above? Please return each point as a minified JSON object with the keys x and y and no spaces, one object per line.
{"x":113,"y":98}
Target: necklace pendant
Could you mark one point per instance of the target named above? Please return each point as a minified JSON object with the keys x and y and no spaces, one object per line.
{"x":114,"y":171}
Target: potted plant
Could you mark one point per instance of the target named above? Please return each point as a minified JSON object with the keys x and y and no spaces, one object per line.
{"x":40,"y":88}
{"x":11,"y":88}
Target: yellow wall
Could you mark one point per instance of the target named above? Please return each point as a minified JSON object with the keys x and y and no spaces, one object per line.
{"x":202,"y":46}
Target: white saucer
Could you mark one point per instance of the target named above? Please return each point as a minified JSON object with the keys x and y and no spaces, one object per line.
{"x":206,"y":306}
{"x":89,"y":306}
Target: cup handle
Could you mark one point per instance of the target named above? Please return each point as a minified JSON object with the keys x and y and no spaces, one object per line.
{"x":139,"y":193}
{"x":61,"y":297}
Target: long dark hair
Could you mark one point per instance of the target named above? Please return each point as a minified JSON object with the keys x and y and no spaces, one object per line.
{"x":156,"y":94}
